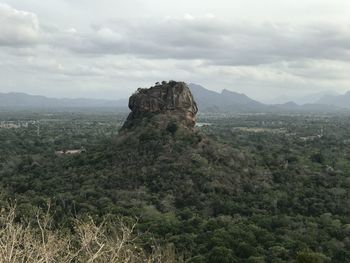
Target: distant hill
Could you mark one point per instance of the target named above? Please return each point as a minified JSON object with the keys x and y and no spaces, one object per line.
{"x":229,"y":101}
{"x":339,"y":101}
{"x":305,"y":108}
{"x":301,"y":100}
{"x":22,"y":100}
{"x":226,"y":101}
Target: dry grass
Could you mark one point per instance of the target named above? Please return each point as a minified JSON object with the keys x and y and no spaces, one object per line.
{"x":91,"y":242}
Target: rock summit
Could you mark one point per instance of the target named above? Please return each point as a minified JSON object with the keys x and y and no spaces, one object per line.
{"x":164,"y":103}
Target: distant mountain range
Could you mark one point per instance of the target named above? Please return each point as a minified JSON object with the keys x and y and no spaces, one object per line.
{"x":301,"y":100}
{"x":25,"y":101}
{"x":207,"y":100}
{"x":342,"y":101}
{"x":229,"y":101}
{"x":225,"y":101}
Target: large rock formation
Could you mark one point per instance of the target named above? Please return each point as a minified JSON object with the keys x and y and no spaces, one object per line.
{"x":163,"y":103}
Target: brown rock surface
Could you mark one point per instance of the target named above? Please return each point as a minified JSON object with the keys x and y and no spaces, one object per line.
{"x":168,"y":101}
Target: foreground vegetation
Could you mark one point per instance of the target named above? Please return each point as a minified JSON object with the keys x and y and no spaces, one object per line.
{"x":247,"y":188}
{"x":87,"y":242}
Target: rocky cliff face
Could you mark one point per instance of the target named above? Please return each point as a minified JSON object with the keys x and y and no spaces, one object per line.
{"x":163,"y":103}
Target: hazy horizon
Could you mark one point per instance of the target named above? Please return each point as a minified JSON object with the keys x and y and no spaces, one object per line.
{"x":273,"y":100}
{"x":106,"y":50}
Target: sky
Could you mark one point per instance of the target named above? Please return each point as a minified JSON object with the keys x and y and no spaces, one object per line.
{"x":109,"y":48}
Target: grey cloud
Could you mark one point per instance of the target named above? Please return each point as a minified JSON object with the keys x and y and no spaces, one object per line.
{"x":115,"y":57}
{"x":18,"y":28}
{"x":216,"y":42}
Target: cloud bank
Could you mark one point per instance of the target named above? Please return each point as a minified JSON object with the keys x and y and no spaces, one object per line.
{"x":118,"y":55}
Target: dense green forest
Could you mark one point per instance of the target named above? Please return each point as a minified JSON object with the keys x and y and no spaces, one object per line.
{"x":242,"y":188}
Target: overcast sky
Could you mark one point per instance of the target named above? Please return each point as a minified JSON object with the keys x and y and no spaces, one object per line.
{"x":109,"y":48}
